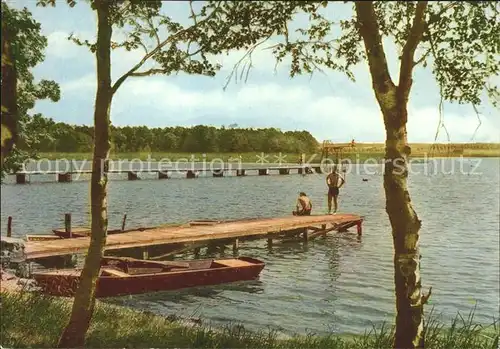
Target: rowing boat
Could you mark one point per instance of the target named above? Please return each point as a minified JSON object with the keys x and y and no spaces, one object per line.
{"x":121,"y":276}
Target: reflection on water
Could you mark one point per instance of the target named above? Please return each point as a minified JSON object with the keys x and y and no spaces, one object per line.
{"x":339,"y":282}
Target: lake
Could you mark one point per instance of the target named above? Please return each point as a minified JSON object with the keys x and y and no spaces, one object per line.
{"x":340,"y":283}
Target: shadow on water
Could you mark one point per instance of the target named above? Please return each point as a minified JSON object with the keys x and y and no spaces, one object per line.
{"x":190,"y":295}
{"x":282,"y":249}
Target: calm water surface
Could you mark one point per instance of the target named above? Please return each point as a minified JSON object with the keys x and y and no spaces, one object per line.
{"x":337,"y":284}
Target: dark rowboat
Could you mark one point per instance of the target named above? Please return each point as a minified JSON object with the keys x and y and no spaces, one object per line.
{"x":124,"y":276}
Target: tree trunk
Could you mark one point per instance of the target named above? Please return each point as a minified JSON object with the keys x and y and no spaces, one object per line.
{"x":405,"y":224}
{"x":83,"y":305}
{"x":405,"y":231}
{"x":9,"y":94}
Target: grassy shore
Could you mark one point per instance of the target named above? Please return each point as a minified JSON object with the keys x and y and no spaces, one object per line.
{"x":30,"y":320}
{"x":354,"y":157}
{"x":360,"y":152}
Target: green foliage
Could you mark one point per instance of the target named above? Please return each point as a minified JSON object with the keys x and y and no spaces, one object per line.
{"x":30,"y":320}
{"x":61,"y":137}
{"x":214,"y":27}
{"x":28,"y":47}
{"x":461,"y":40}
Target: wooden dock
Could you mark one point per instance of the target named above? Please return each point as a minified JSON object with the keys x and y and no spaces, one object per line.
{"x":65,"y":177}
{"x":307,"y":227}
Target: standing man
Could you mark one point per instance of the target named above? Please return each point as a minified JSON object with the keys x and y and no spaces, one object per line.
{"x":335,"y":181}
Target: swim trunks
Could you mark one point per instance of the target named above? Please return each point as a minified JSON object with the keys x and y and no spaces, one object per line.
{"x":333,"y":191}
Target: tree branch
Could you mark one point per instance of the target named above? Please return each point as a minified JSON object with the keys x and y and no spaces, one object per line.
{"x":149,"y":72}
{"x":479,"y":122}
{"x":192,"y":12}
{"x":157,"y":49}
{"x":144,"y":47}
{"x":158,"y":41}
{"x":421,"y":59}
{"x":370,"y":32}
{"x":435,"y":18}
{"x":414,"y":38}
{"x":243,"y":60}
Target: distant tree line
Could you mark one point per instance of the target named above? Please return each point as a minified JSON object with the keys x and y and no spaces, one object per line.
{"x":61,"y":137}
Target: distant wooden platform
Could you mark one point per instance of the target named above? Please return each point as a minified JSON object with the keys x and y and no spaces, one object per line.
{"x":197,"y":233}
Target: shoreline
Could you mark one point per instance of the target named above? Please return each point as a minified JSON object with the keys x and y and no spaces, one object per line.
{"x":251,"y":157}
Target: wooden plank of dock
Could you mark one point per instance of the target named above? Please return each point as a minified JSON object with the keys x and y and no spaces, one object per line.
{"x":183,"y":234}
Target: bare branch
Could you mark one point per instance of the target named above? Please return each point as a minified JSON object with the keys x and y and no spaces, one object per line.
{"x":478,"y":119}
{"x":157,"y":49}
{"x":144,"y":47}
{"x":441,"y":123}
{"x":192,"y":11}
{"x":414,"y":38}
{"x":247,"y":57}
{"x":158,"y":41}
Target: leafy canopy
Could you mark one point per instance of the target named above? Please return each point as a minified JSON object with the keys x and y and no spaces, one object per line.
{"x":171,"y":46}
{"x":28,"y":45}
{"x":461,"y":42}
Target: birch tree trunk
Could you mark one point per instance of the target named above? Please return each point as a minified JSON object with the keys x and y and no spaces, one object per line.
{"x":405,"y":230}
{"x":84,"y":302}
{"x":405,"y":224}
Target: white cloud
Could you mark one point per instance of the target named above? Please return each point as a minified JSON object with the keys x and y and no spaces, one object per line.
{"x":328,"y":106}
{"x":290,"y":107}
{"x":423,"y":123}
{"x":85,"y":84}
{"x":59,"y":46}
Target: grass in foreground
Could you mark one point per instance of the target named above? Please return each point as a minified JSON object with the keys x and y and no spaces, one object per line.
{"x":30,"y":320}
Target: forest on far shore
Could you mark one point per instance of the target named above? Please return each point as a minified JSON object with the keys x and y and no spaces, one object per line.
{"x":61,"y":137}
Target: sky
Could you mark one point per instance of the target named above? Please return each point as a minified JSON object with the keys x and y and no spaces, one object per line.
{"x":327,"y":105}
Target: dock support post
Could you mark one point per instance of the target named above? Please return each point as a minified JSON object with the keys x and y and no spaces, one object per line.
{"x":190,"y":174}
{"x":123,"y":221}
{"x":67,"y":224}
{"x":323,"y":227}
{"x":284,"y":171}
{"x":236,"y":245}
{"x":218,"y":173}
{"x":64,"y":177}
{"x":305,"y":235}
{"x":132,"y":176}
{"x":162,"y":175}
{"x":269,"y":242}
{"x":197,"y":251}
{"x":145,"y":253}
{"x":9,"y":227}
{"x":21,"y":178}
{"x":240,"y":173}
{"x":263,"y":171}
{"x":359,"y":228}
{"x":212,"y":247}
